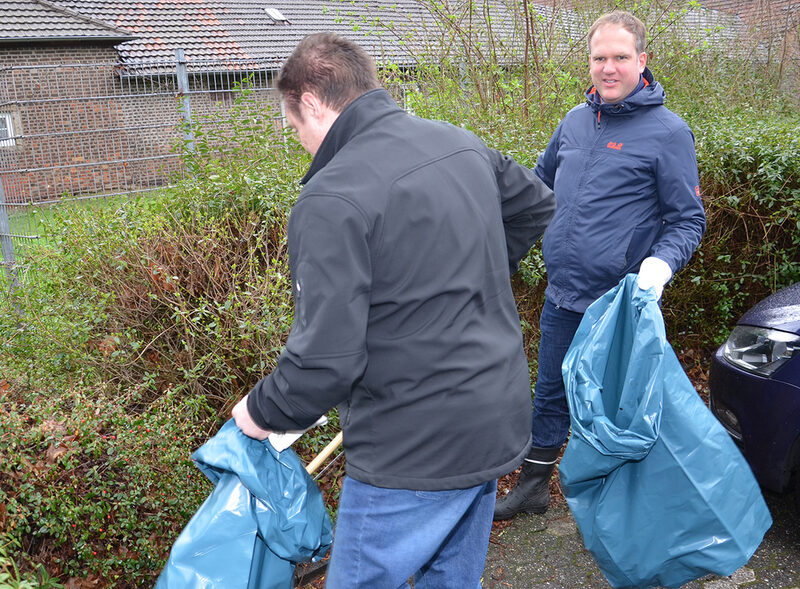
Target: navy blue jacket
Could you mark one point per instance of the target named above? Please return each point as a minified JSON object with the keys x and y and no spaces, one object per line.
{"x":626,"y":185}
{"x":400,"y":248}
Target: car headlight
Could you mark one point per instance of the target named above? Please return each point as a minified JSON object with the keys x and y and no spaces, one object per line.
{"x":760,"y":350}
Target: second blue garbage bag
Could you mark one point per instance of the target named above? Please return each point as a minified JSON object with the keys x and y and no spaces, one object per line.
{"x":658,"y":489}
{"x":264,"y":515}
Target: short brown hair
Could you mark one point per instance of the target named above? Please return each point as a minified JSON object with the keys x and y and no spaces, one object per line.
{"x":333,"y":68}
{"x":625,"y":20}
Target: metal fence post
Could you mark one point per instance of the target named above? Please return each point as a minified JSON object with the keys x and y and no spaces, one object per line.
{"x":5,"y":240}
{"x":182,"y":74}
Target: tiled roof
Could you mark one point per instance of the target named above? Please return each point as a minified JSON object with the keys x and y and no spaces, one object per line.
{"x":38,"y":20}
{"x":391,"y":30}
{"x":767,"y":18}
{"x":242,"y":29}
{"x":715,"y":26}
{"x":762,"y":21}
{"x":744,"y":8}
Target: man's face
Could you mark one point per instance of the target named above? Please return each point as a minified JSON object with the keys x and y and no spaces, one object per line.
{"x":305,"y":130}
{"x":311,"y":121}
{"x":613,"y":62}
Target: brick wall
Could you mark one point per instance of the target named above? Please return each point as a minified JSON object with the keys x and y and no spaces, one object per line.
{"x":86,"y":127}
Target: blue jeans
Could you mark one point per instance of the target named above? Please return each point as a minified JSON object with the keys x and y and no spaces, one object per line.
{"x":550,"y":423}
{"x":384,"y":536}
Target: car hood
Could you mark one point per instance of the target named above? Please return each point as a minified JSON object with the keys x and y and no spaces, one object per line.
{"x":778,"y":311}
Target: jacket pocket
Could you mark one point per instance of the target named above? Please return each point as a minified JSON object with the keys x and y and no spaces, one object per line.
{"x":639,"y":246}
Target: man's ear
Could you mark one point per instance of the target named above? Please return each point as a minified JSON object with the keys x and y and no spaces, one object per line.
{"x":312,"y":104}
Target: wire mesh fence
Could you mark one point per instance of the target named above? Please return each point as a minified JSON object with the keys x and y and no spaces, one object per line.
{"x":80,"y":132}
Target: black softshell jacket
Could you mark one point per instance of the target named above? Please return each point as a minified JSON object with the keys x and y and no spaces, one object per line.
{"x":401,"y":246}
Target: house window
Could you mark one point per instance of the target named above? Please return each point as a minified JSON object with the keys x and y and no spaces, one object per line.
{"x":6,"y":130}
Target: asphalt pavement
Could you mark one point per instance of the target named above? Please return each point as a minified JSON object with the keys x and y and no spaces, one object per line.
{"x":547,"y":552}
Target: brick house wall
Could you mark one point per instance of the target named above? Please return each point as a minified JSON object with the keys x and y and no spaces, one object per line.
{"x":51,"y":113}
{"x":84,"y":126}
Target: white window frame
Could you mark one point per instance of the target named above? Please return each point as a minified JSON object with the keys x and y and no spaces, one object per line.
{"x":9,"y":120}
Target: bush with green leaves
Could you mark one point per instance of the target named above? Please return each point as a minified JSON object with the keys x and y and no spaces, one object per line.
{"x":96,"y":485}
{"x":146,"y":320}
{"x":185,"y":288}
{"x":12,"y":578}
{"x":750,"y":176}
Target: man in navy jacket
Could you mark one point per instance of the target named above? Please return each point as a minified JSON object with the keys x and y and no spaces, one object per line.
{"x":401,"y":246}
{"x":624,"y":172}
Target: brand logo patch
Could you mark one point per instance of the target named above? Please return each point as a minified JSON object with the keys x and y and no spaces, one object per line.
{"x":697,"y":191}
{"x":613,"y":145}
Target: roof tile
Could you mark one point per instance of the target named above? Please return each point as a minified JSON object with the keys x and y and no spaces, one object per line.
{"x":39,"y":20}
{"x":391,"y":30}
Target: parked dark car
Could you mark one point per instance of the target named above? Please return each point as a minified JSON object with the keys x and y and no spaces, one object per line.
{"x":755,"y":389}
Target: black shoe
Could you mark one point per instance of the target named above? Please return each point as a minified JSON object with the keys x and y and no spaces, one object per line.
{"x":532,"y":493}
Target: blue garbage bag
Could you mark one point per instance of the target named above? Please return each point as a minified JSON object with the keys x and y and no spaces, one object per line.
{"x":659,"y":491}
{"x":264,"y":515}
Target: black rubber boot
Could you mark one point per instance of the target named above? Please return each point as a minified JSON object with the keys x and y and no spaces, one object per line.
{"x":532,"y":493}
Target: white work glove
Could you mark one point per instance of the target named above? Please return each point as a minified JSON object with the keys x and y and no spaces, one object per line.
{"x":654,"y":273}
{"x":279,"y":440}
{"x":282,"y":440}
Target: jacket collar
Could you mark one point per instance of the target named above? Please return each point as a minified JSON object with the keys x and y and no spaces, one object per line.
{"x":650,"y":94}
{"x":356,"y":116}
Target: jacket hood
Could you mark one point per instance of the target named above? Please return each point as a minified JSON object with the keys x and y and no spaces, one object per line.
{"x":356,"y":116}
{"x":651,"y":95}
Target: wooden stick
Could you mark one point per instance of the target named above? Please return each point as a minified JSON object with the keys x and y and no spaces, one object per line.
{"x":322,"y":456}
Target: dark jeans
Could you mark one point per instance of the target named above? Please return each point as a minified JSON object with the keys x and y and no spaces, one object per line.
{"x":550,"y":423}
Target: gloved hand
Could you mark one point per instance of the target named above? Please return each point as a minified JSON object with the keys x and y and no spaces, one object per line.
{"x":654,"y":273}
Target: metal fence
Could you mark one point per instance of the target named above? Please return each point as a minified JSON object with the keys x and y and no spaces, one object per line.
{"x":86,"y":131}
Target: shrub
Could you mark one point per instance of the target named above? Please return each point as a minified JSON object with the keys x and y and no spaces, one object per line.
{"x":147,"y":319}
{"x":187,"y":288}
{"x":750,"y":177}
{"x":12,"y":578}
{"x":95,"y":485}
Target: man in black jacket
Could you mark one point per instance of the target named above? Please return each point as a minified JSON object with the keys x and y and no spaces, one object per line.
{"x":401,"y":246}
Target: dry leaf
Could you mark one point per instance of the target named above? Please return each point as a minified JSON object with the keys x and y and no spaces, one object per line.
{"x":53,"y":452}
{"x":53,"y":426}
